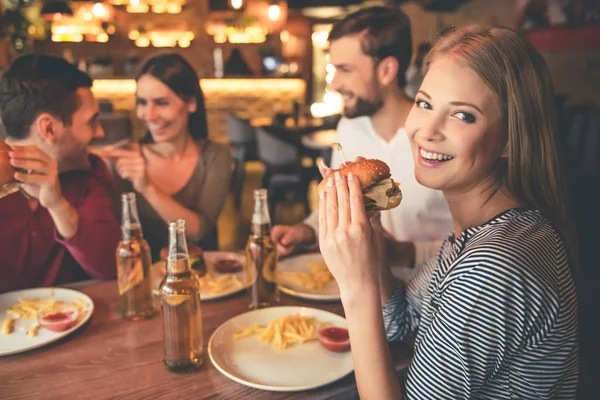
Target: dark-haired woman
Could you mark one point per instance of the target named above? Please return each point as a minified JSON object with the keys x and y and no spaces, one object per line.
{"x":175,"y":170}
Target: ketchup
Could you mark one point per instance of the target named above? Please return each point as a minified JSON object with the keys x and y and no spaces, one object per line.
{"x":228,"y":265}
{"x":334,"y":338}
{"x":58,"y":321}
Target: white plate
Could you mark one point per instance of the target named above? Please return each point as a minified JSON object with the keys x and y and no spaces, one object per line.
{"x":254,"y":363}
{"x":301,"y":263}
{"x":158,"y":272}
{"x":18,"y":341}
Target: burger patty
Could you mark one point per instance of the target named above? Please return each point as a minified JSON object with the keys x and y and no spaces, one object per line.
{"x":394,"y":190}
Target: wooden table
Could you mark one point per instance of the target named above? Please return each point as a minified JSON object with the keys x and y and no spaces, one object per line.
{"x":109,"y":358}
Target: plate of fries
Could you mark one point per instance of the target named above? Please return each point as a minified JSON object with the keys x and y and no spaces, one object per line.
{"x":307,"y":276}
{"x":213,"y":285}
{"x":276,"y":349}
{"x":20,"y":329}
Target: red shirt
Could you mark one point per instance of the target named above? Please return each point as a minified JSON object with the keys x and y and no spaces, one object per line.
{"x":32,"y":253}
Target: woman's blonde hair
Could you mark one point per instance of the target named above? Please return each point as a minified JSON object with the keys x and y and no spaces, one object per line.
{"x":517,"y":74}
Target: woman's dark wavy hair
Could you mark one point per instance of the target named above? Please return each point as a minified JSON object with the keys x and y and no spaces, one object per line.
{"x":175,"y":72}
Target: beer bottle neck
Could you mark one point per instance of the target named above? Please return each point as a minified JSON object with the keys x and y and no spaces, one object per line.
{"x":261,"y":230}
{"x":178,"y":264}
{"x":261,"y":216}
{"x":132,"y":232}
{"x":261,"y":220}
{"x":130,"y":221}
{"x":178,"y":251}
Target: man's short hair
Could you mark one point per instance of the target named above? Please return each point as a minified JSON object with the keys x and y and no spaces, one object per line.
{"x":385,"y":33}
{"x":36,"y":84}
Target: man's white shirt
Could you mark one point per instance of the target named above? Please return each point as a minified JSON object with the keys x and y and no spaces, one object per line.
{"x":423,"y":216}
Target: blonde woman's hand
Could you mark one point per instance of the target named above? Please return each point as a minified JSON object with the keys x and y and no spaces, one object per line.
{"x":347,"y":241}
{"x":131,"y":165}
{"x":324,"y":169}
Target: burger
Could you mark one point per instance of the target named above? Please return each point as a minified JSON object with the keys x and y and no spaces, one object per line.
{"x":379,"y":189}
{"x":8,"y":184}
{"x":196,"y":258}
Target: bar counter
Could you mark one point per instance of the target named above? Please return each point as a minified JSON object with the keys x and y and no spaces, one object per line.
{"x":244,"y":97}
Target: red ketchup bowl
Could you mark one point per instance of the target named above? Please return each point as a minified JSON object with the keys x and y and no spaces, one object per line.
{"x":334,"y":338}
{"x":227,"y":265}
{"x":58,"y":319}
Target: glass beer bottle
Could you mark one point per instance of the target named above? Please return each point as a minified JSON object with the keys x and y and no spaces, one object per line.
{"x":261,"y":256}
{"x":133,"y":264}
{"x":180,"y":306}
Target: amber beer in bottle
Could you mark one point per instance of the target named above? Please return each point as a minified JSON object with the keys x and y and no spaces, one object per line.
{"x":261,"y":256}
{"x":133,"y":264}
{"x":180,"y":306}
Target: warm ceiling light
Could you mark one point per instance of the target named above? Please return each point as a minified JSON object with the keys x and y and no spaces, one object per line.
{"x":274,"y":12}
{"x":134,"y":34}
{"x":294,"y":67}
{"x":142,"y":41}
{"x":99,"y":10}
{"x":173,"y":8}
{"x":73,"y":37}
{"x":159,"y":8}
{"x":220,"y":38}
{"x":102,"y":37}
{"x":136,"y":7}
{"x":284,"y":36}
{"x":319,"y":38}
{"x":236,"y":4}
{"x":162,"y":40}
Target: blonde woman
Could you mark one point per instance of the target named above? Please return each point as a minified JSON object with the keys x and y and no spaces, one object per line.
{"x":495,"y":312}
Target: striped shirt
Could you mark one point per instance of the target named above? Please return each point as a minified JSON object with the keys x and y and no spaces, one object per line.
{"x":495,"y":314}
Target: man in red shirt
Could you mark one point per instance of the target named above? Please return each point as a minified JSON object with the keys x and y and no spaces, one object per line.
{"x":64,"y":229}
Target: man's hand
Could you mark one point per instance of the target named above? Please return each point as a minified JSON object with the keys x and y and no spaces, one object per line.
{"x":41,"y":180}
{"x":290,"y":239}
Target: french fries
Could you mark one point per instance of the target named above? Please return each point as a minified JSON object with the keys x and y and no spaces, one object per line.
{"x":283,"y":332}
{"x":211,"y":284}
{"x":8,"y":326}
{"x":33,"y":330}
{"x":27,"y":309}
{"x":316,"y":279}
